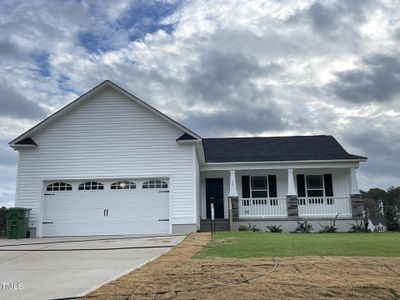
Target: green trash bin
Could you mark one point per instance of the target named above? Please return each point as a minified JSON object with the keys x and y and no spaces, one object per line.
{"x":3,"y":221}
{"x":17,"y":222}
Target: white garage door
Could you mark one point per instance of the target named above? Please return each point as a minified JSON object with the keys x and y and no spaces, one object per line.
{"x":112,"y":207}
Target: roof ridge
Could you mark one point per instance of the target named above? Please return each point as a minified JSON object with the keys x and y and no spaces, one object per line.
{"x":267,"y":137}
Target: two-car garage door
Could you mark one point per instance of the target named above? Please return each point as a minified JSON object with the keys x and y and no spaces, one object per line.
{"x":105,"y":207}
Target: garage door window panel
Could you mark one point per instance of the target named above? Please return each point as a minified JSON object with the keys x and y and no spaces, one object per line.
{"x":123,"y":185}
{"x":90,"y":186}
{"x":155,"y":184}
{"x":58,"y":186}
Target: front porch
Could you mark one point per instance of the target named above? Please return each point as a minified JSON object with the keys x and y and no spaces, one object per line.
{"x":279,"y":194}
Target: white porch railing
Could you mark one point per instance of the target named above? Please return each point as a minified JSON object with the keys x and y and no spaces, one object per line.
{"x":314,"y":207}
{"x":262,"y":207}
{"x":324,"y":206}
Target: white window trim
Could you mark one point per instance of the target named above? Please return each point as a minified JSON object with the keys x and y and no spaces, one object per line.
{"x":323,"y":186}
{"x":251,"y":186}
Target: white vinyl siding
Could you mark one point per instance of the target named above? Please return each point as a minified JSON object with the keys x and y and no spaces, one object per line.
{"x":108,"y":136}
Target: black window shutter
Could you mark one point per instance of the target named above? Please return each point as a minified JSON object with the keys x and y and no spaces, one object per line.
{"x":272,"y":185}
{"x":301,"y":189}
{"x":328,"y":185}
{"x":246,"y":186}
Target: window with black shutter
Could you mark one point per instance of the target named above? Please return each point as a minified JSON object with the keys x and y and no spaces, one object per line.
{"x":314,"y":185}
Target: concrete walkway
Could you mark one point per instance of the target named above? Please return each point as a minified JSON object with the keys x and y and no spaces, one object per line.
{"x":51,"y":268}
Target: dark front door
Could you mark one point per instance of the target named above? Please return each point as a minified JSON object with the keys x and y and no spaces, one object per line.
{"x":215,"y":194}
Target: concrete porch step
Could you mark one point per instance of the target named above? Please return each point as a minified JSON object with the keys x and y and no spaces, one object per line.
{"x":220,"y":225}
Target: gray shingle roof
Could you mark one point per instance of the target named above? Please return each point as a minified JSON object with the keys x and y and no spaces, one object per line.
{"x":293,"y":148}
{"x":376,"y":220}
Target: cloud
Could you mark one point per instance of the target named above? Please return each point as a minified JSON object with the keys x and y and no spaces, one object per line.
{"x":335,"y":20}
{"x":13,"y":104}
{"x":10,"y":51}
{"x":7,"y":157}
{"x":7,"y":184}
{"x":380,"y":145}
{"x":238,"y":119}
{"x":328,"y":16}
{"x":258,"y":68}
{"x":377,"y":79}
{"x":218,"y":77}
{"x":113,"y":25}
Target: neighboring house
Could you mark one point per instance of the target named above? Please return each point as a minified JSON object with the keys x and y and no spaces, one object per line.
{"x":108,"y":163}
{"x":377,"y":224}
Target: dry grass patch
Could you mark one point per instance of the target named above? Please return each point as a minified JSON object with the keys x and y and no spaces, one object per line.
{"x":176,"y":275}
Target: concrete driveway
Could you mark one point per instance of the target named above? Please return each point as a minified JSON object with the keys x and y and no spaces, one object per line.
{"x":51,"y":268}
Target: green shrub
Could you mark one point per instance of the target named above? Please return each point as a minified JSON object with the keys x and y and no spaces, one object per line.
{"x":304,"y":227}
{"x":331,"y":228}
{"x":253,"y":228}
{"x":358,"y":227}
{"x":243,"y":228}
{"x":328,"y":228}
{"x":274,"y":228}
{"x":391,"y":219}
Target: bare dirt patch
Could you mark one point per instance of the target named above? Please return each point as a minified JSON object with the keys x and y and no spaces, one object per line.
{"x":176,"y":275}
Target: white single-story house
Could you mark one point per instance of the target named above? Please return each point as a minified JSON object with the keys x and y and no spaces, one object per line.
{"x":109,"y":163}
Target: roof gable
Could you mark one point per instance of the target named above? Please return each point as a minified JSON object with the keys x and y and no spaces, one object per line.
{"x":26,"y":142}
{"x":261,"y":149}
{"x":186,"y":137}
{"x":88,"y":95}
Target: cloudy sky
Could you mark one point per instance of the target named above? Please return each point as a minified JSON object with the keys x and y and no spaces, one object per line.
{"x":222,"y":68}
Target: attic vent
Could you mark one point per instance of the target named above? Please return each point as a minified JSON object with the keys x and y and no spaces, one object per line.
{"x":27,"y":141}
{"x":185,"y":137}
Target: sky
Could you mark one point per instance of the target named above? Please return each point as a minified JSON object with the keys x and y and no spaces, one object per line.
{"x":222,"y":68}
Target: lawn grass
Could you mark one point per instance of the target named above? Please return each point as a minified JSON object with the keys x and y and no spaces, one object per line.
{"x":175,"y":275}
{"x":259,"y":244}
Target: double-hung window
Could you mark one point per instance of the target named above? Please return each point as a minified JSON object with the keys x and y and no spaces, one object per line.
{"x":314,"y":185}
{"x":259,"y":187}
{"x":317,"y":188}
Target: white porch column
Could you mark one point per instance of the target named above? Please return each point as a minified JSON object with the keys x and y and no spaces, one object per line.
{"x":354,"y":184}
{"x":357,"y":206}
{"x":232,"y":185}
{"x":291,"y":189}
{"x":233,"y":200}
